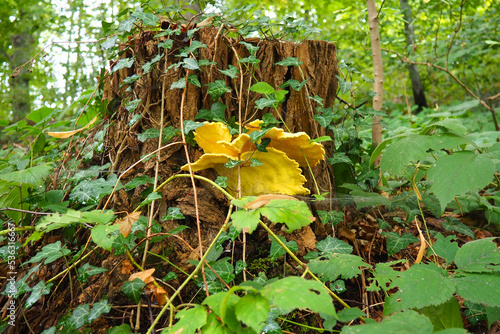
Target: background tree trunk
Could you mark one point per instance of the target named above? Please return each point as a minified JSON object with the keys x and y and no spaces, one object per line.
{"x":416,"y":83}
{"x":20,"y":82}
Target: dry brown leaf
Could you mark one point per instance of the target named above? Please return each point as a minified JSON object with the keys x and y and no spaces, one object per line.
{"x":67,"y":134}
{"x":161,"y":296}
{"x":264,"y":199}
{"x":126,"y":222}
{"x":127,"y":267}
{"x":146,"y":276}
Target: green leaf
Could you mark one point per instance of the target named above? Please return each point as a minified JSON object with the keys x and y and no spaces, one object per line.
{"x":295,"y":214}
{"x":349,"y":314}
{"x":191,"y":64}
{"x":415,"y":148}
{"x":191,"y":126}
{"x":333,"y":245}
{"x":294,"y":292}
{"x":290,"y":61}
{"x":79,"y":316}
{"x":324,"y":117}
{"x":262,"y":88}
{"x":193,"y":80}
{"x":479,"y":256}
{"x":457,"y":174}
{"x":444,"y":316}
{"x":245,"y":219}
{"x":104,"y":235}
{"x":444,"y":247}
{"x":139,"y":181}
{"x":332,"y":217}
{"x":383,"y":275}
{"x":123,"y":63}
{"x":221,"y":181}
{"x":400,"y":323}
{"x":109,"y":43}
{"x":173,"y":213}
{"x":87,"y":270}
{"x":131,"y":79}
{"x":50,"y":253}
{"x":329,"y":267}
{"x":317,"y":99}
{"x":295,"y":84}
{"x":122,"y":329}
{"x":451,"y":124}
{"x":420,"y":286}
{"x":39,"y":114}
{"x":55,"y":221}
{"x":480,"y":288}
{"x":99,"y":309}
{"x":395,"y":242}
{"x":231,"y":72}
{"x":252,"y":49}
{"x":223,"y":305}
{"x":34,"y":175}
{"x":454,"y":224}
{"x":37,"y":292}
{"x":276,"y":249}
{"x":345,"y":86}
{"x":132,"y":105}
{"x":215,"y":114}
{"x":151,"y":197}
{"x":340,"y":157}
{"x":179,"y":84}
{"x":217,"y":89}
{"x":232,"y":163}
{"x":255,"y":162}
{"x":133,"y":290}
{"x":322,"y":139}
{"x":190,"y":320}
{"x":252,"y":310}
{"x":148,"y":19}
{"x":265,"y":102}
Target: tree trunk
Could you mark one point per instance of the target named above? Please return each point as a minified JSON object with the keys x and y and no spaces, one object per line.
{"x":19,"y":82}
{"x":418,"y":88}
{"x":378,"y":72}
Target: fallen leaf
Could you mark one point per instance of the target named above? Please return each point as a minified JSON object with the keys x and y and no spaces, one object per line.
{"x":126,"y":222}
{"x":161,"y":296}
{"x":127,"y":267}
{"x":67,"y":134}
{"x":146,"y":276}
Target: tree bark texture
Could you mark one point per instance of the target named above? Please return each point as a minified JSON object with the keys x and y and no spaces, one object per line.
{"x":416,"y":82}
{"x":378,"y":71}
{"x":19,"y":82}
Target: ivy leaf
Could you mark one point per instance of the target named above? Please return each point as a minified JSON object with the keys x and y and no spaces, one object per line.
{"x":79,"y":316}
{"x":459,"y":173}
{"x":50,"y":253}
{"x":290,"y":61}
{"x":37,"y":292}
{"x":190,"y":64}
{"x":217,"y":89}
{"x":332,"y":266}
{"x":383,"y":275}
{"x":252,"y":49}
{"x":173,"y":213}
{"x":109,"y":43}
{"x":232,"y":163}
{"x":56,"y":221}
{"x":193,"y":80}
{"x":231,"y":72}
{"x":345,"y":86}
{"x":133,"y":290}
{"x":104,"y":235}
{"x":340,"y":157}
{"x":123,"y":63}
{"x":295,"y":84}
{"x":34,"y":175}
{"x":276,"y":249}
{"x":333,"y":245}
{"x":252,"y":310}
{"x":295,"y":214}
{"x":317,"y":99}
{"x":479,"y":256}
{"x":99,"y":309}
{"x":421,"y":285}
{"x":179,"y":84}
{"x":87,"y":270}
{"x":332,"y":217}
{"x":167,"y":44}
{"x":148,"y":19}
{"x":262,"y":88}
{"x":265,"y":102}
{"x":295,"y":292}
{"x":126,"y":25}
{"x":151,"y":197}
{"x":454,"y":224}
{"x":255,"y":162}
{"x":139,"y":181}
{"x":221,"y":181}
{"x":395,"y":242}
{"x":263,"y":144}
{"x":215,"y":114}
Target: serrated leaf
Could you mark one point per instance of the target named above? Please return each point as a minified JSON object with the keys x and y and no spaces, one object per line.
{"x":99,"y":309}
{"x":483,"y":288}
{"x":104,"y":235}
{"x":190,"y":320}
{"x":37,"y":292}
{"x":295,"y":214}
{"x":349,"y":314}
{"x":215,"y":114}
{"x":217,"y":89}
{"x":479,"y":256}
{"x":454,"y":224}
{"x":459,"y":173}
{"x":79,"y":316}
{"x":415,"y":148}
{"x":245,"y":219}
{"x":400,"y":323}
{"x":333,"y":245}
{"x":452,"y":124}
{"x":395,"y":242}
{"x":444,"y":247}
{"x":133,"y":290}
{"x":444,"y":316}
{"x":34,"y":175}
{"x":420,"y":286}
{"x":50,"y":253}
{"x":276,"y":249}
{"x":294,"y":292}
{"x":252,"y":310}
{"x":332,"y":266}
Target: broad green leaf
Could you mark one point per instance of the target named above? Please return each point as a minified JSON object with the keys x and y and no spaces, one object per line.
{"x":223,"y":268}
{"x":193,"y":80}
{"x":454,"y":224}
{"x":39,"y":114}
{"x":50,"y":253}
{"x":87,"y":270}
{"x":408,"y":322}
{"x":123,"y":63}
{"x":190,"y":320}
{"x":332,"y":217}
{"x":333,"y":245}
{"x":133,"y":290}
{"x":294,"y":292}
{"x":251,"y":48}
{"x":479,"y":256}
{"x":37,"y":292}
{"x":420,"y":286}
{"x":34,"y":175}
{"x":223,"y":305}
{"x":217,"y":88}
{"x":139,"y":181}
{"x":252,"y":310}
{"x":179,"y":84}
{"x":265,"y":102}
{"x":151,"y":197}
{"x":295,"y":214}
{"x":340,"y":157}
{"x":480,"y":288}
{"x":276,"y":249}
{"x":451,"y":124}
{"x":245,"y":219}
{"x":349,"y":314}
{"x":149,"y":19}
{"x":444,"y":247}
{"x":329,"y":267}
{"x":104,"y":235}
{"x":79,"y":316}
{"x":99,"y":309}
{"x":122,"y":329}
{"x":55,"y":221}
{"x":109,"y":43}
{"x":290,"y":61}
{"x":324,"y":117}
{"x":295,"y":84}
{"x":444,"y":316}
{"x":191,"y":64}
{"x":345,"y":86}
{"x":191,"y":126}
{"x":215,"y":114}
{"x":456,"y":174}
{"x":131,"y":79}
{"x":492,"y":314}
{"x":262,"y":88}
{"x":383,"y":275}
{"x":232,"y":71}
{"x":395,"y":242}
{"x":405,"y":150}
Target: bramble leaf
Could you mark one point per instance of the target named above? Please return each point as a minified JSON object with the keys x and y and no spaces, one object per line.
{"x":400,"y":323}
{"x":252,"y":310}
{"x":190,"y":320}
{"x":479,"y":256}
{"x":332,"y":266}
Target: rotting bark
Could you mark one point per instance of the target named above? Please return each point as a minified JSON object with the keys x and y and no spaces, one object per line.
{"x":124,"y":149}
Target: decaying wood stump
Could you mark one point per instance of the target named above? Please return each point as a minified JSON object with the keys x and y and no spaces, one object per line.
{"x":124,"y":149}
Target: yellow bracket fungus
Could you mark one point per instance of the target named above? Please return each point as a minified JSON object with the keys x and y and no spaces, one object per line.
{"x":279,"y":172}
